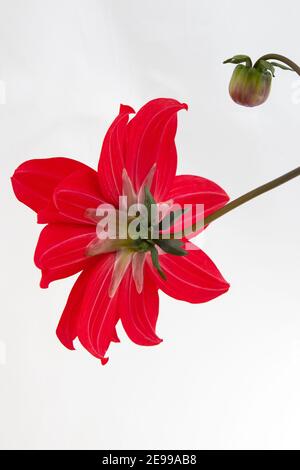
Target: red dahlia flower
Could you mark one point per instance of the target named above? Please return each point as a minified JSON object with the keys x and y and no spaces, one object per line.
{"x":119,"y":280}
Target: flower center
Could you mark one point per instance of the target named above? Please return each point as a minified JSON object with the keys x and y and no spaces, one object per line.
{"x":133,"y":231}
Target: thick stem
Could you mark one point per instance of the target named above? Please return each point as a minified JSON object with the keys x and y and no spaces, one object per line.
{"x":251,"y":195}
{"x":281,"y":58}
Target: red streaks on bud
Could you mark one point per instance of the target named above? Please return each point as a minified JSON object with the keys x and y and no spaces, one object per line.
{"x":249,"y":86}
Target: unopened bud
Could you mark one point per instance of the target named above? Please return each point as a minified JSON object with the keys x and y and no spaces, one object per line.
{"x":250,"y":85}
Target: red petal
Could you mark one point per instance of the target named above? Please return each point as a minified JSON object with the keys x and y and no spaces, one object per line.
{"x":188,"y":189}
{"x":139,"y":312}
{"x":61,"y":250}
{"x":193,"y":278}
{"x":34,"y":181}
{"x":67,"y":328}
{"x":72,"y":197}
{"x":111,"y":161}
{"x":151,"y":136}
{"x":98,"y":318}
{"x":74,"y":312}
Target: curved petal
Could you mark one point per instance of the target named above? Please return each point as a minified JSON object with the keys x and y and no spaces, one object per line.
{"x":193,"y":190}
{"x":34,"y":180}
{"x":98,"y":317}
{"x":150,"y":140}
{"x":111,"y":161}
{"x":139,"y":312}
{"x":193,"y":278}
{"x":67,"y":327}
{"x":73,"y":199}
{"x":61,"y":250}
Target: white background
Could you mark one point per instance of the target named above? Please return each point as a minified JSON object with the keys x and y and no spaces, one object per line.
{"x":228,"y":372}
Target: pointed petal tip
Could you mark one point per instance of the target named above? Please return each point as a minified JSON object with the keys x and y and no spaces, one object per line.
{"x":223,"y":288}
{"x":112,"y":290}
{"x":226,"y":286}
{"x":116,"y":340}
{"x":125,"y":109}
{"x":44,"y":282}
{"x":66,"y":342}
{"x":104,"y":360}
{"x":155,"y":341}
{"x":166,"y":102}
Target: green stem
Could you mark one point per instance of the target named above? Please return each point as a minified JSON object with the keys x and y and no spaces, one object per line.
{"x":281,"y":58}
{"x":251,"y":195}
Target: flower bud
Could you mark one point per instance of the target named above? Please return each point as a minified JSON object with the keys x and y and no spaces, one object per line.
{"x":250,"y":86}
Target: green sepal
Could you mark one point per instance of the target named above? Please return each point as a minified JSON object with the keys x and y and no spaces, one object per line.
{"x":155,"y":261}
{"x":174,"y":215}
{"x":239,"y":59}
{"x":173,"y":247}
{"x":142,"y":245}
{"x":265,"y":66}
{"x":284,"y":67}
